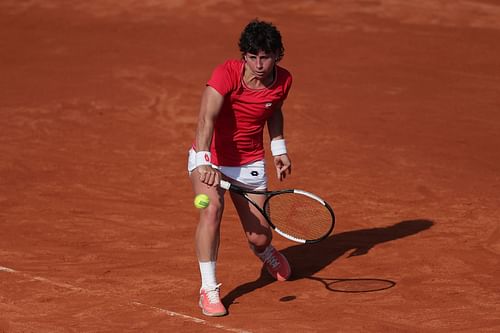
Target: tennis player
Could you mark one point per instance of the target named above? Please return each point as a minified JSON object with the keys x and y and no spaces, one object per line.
{"x":240,"y":98}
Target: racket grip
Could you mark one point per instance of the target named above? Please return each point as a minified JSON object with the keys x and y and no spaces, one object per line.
{"x":224,"y":184}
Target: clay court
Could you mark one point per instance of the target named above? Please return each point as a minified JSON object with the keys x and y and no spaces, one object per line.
{"x":393,"y":118}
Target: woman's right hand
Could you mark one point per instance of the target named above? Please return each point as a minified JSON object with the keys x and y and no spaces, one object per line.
{"x":209,"y":175}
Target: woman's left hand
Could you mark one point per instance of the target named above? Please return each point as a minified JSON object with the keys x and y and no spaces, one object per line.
{"x":283,"y":166}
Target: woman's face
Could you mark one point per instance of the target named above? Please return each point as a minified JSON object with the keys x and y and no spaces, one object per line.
{"x":260,"y":64}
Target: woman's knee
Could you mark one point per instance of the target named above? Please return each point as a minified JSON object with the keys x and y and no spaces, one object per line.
{"x":259,"y":240}
{"x":212,"y":215}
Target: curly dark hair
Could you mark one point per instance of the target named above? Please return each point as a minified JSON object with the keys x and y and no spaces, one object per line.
{"x":261,"y":36}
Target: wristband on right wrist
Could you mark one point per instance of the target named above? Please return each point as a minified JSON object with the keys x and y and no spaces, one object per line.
{"x":203,"y":158}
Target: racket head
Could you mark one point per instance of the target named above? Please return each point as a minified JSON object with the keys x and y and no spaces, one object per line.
{"x":300,"y":216}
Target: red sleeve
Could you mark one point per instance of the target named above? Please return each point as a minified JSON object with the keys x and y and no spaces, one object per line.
{"x":286,"y":81}
{"x":288,"y":85}
{"x":224,"y":78}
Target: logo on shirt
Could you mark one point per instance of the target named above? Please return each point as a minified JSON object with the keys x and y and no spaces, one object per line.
{"x":268,"y":105}
{"x":254,"y":173}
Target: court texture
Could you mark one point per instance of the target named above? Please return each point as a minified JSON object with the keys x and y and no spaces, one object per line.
{"x":393,"y":118}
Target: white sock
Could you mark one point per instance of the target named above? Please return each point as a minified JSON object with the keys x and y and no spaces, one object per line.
{"x":208,"y":279}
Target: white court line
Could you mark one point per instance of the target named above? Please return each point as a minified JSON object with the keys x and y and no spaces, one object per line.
{"x":193,"y":319}
{"x":41,"y":279}
{"x":168,"y":312}
{"x":8,"y":270}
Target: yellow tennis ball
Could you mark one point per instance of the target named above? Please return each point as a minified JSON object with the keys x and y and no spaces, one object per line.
{"x":201,"y":201}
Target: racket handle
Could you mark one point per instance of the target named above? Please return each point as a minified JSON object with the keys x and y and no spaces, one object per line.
{"x":224,"y":184}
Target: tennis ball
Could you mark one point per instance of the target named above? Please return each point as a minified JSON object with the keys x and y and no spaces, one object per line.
{"x":201,"y":201}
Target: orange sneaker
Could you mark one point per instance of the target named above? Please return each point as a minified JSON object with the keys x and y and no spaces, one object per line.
{"x":210,"y":303}
{"x":276,"y":264}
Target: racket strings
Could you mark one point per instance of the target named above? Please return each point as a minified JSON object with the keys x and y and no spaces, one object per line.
{"x":299,"y":215}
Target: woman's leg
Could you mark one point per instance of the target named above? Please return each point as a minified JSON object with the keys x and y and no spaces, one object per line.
{"x":207,"y":240}
{"x":256,"y":228}
{"x":208,"y":229}
{"x":259,"y":235}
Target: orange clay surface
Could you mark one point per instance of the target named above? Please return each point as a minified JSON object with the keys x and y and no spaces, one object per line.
{"x":394,"y":118}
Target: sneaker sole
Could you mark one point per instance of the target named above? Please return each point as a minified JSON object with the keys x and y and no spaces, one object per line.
{"x":211,"y":314}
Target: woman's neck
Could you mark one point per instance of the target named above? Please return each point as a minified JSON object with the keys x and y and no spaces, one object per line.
{"x":254,"y":82}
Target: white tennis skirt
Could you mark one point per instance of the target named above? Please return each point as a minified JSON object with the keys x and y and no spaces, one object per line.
{"x":253,"y":175}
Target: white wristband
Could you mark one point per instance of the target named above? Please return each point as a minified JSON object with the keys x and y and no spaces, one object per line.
{"x":278,"y":147}
{"x":203,"y":158}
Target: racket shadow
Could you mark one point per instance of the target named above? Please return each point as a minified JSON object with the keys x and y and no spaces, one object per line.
{"x":309,"y":259}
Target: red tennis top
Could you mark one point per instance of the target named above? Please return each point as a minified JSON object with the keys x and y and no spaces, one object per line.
{"x":238,"y":133}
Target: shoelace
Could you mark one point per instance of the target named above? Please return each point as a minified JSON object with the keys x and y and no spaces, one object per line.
{"x":213,"y":294}
{"x":272,"y":260}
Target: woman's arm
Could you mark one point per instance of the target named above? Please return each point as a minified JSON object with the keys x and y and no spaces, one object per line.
{"x":211,"y":104}
{"x":282,"y":161}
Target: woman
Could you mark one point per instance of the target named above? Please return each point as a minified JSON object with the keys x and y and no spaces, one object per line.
{"x":240,"y":98}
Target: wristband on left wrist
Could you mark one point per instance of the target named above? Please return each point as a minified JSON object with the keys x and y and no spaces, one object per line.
{"x":278,"y":147}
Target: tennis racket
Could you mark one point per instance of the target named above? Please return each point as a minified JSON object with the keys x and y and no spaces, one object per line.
{"x":297,"y":215}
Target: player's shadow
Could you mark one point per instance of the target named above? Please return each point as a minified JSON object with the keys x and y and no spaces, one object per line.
{"x":308,"y":259}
